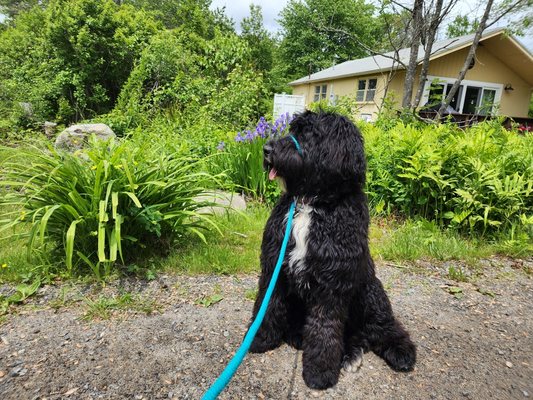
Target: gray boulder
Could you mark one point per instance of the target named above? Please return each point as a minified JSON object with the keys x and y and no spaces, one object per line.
{"x":49,"y":129}
{"x":75,"y":137}
{"x":222,"y":202}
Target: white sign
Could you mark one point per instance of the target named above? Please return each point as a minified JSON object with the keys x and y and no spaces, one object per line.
{"x":287,"y":103}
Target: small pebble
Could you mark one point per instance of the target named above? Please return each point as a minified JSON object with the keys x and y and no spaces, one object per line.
{"x":509,"y":364}
{"x":526,"y":394}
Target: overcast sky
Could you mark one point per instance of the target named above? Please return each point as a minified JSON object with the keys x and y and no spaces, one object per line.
{"x":237,"y":10}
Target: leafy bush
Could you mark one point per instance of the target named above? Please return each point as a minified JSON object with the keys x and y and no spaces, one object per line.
{"x":69,"y":58}
{"x":242,"y":159}
{"x":112,"y":202}
{"x":479,"y":180}
{"x":188,"y":78}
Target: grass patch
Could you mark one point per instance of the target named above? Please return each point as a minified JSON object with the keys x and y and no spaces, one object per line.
{"x":237,"y":250}
{"x":14,"y":264}
{"x":413,"y":240}
{"x":105,"y":307}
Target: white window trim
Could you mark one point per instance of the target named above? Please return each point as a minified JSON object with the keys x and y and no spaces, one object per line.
{"x":367,"y":84}
{"x":321,"y":95}
{"x":465,"y":82}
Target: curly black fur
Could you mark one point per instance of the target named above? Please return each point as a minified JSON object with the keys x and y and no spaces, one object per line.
{"x":328,"y":300}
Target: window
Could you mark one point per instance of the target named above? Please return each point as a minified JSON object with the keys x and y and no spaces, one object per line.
{"x":487,"y":101}
{"x":366,"y":89}
{"x":372,"y":83}
{"x":472,"y":97}
{"x":320,"y":92}
{"x":436,"y":96}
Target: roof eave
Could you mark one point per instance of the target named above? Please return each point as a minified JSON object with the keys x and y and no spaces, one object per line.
{"x":313,"y":80}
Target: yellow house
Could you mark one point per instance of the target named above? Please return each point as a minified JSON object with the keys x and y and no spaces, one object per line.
{"x":500,"y":81}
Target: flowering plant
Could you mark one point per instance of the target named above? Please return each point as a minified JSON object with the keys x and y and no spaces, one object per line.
{"x":265,"y":130}
{"x":525,"y":128}
{"x":242,"y":159}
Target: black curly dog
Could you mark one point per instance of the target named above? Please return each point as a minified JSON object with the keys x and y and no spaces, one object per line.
{"x":328,"y":300}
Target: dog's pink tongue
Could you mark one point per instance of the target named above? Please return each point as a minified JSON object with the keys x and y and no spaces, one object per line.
{"x":272,"y":174}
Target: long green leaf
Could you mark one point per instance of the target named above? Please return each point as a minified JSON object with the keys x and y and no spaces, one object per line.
{"x":44,"y":220}
{"x":70,"y":237}
{"x":134,"y":198}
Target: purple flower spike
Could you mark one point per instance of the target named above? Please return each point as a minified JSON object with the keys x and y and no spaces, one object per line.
{"x":239,"y":138}
{"x":221,"y":146}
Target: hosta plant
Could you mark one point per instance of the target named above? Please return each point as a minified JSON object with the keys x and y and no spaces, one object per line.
{"x":112,"y":203}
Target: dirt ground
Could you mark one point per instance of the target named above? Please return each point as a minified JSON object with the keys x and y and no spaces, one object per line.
{"x":474,"y":340}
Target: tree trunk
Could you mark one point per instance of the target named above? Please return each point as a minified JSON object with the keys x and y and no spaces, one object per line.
{"x":430,"y":39}
{"x":468,"y":60}
{"x":410,"y":70}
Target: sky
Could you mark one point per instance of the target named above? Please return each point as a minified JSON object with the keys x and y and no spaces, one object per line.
{"x":237,"y":10}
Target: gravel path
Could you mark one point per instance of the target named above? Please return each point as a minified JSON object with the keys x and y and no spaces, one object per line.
{"x":474,"y":341}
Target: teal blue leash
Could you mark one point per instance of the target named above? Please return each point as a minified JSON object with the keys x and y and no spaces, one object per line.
{"x":236,"y":361}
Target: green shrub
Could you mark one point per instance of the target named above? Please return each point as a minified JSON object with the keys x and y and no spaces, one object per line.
{"x":188,"y":78}
{"x":113,"y":202}
{"x":241,"y":159}
{"x":478,"y":180}
{"x":70,"y":58}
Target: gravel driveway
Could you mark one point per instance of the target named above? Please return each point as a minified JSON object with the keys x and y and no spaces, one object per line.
{"x":474,"y":341}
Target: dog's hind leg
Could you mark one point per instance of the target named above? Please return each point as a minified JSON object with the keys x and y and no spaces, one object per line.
{"x":386,"y":336}
{"x":274,"y":326}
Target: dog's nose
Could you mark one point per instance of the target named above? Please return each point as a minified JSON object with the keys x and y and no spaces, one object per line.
{"x":267,"y":149}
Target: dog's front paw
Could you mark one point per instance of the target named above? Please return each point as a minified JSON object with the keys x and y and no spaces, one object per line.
{"x":320,"y":380}
{"x":260,"y":345}
{"x":352,"y":362}
{"x":401,"y":356}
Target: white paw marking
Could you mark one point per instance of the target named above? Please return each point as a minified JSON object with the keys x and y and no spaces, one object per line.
{"x":354,"y":364}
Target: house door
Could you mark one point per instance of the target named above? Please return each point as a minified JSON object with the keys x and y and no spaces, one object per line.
{"x":471,"y":102}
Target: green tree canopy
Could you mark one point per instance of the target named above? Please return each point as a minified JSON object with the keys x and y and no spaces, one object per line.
{"x":70,"y":60}
{"x":189,"y":15}
{"x":258,"y":39}
{"x":319,"y":33}
{"x":461,"y":26}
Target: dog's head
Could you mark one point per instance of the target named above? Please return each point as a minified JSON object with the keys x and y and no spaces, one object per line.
{"x":331,"y":160}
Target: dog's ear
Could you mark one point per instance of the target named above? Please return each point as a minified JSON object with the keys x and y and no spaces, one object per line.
{"x":342,"y":154}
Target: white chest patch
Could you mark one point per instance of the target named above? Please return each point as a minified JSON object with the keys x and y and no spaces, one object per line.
{"x":300,"y":232}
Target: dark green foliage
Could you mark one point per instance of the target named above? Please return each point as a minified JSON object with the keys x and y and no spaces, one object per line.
{"x":192,"y":16}
{"x":478,"y":180}
{"x":320,"y":33}
{"x":69,"y":60}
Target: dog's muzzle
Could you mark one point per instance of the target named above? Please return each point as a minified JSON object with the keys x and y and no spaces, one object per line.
{"x":267,"y":153}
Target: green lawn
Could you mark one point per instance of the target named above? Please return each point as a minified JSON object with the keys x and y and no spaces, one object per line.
{"x":237,"y":249}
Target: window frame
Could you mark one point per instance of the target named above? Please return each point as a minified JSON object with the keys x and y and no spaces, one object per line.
{"x":497,"y":88}
{"x":321,"y":92}
{"x":366,"y":94}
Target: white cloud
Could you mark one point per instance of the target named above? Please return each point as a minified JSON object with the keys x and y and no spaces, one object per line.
{"x":237,"y":10}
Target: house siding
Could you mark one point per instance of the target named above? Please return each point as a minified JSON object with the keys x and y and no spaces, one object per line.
{"x":488,"y":68}
{"x":347,"y":87}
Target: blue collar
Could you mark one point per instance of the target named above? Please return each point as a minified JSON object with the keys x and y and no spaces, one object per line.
{"x":298,"y":148}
